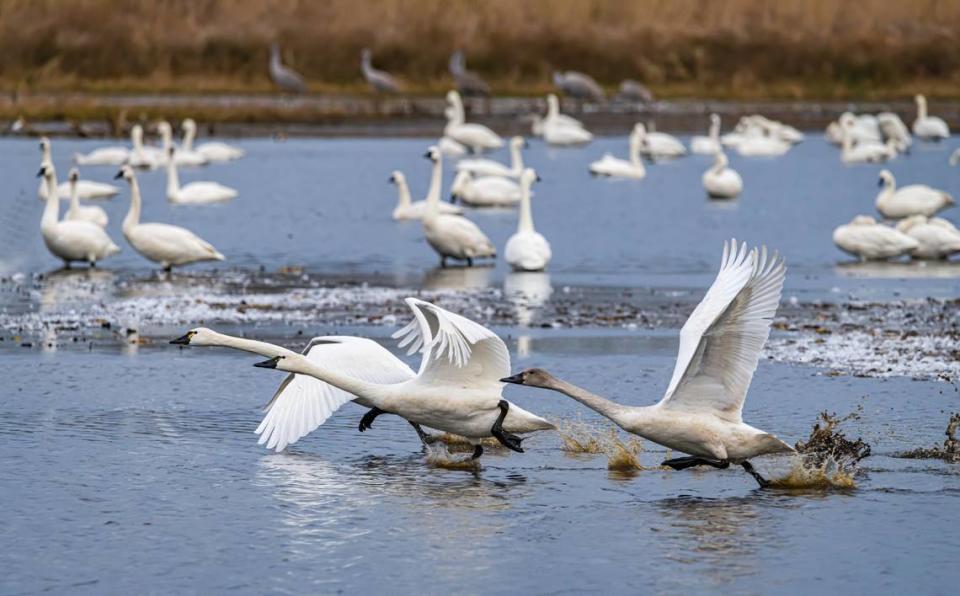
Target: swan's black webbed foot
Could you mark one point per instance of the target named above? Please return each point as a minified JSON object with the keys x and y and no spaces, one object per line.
{"x":763,"y":482}
{"x":508,"y":440}
{"x":477,"y":452}
{"x":469,"y":262}
{"x":425,"y":438}
{"x":367,"y":421}
{"x":682,"y":463}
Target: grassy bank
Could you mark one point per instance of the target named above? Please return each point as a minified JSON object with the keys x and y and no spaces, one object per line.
{"x":681,"y":48}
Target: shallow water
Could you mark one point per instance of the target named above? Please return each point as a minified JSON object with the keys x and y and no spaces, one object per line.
{"x":132,"y":465}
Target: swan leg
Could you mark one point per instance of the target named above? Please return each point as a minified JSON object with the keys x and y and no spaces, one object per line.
{"x":763,"y":482}
{"x":477,"y":451}
{"x":682,"y":463}
{"x":509,"y":440}
{"x":443,"y":261}
{"x":367,"y":421}
{"x":469,"y":262}
{"x":425,"y":438}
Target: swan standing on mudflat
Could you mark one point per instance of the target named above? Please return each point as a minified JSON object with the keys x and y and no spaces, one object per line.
{"x":937,"y":237}
{"x":608,"y":165}
{"x":527,"y":250}
{"x":929,"y":128}
{"x":452,"y":236}
{"x":658,"y":144}
{"x":484,"y":191}
{"x":457,"y":389}
{"x":285,"y":78}
{"x":720,"y":344}
{"x":86,"y":189}
{"x":75,"y":240}
{"x":863,"y":237}
{"x":720,"y":181}
{"x":193,"y":193}
{"x":913,"y":199}
{"x":168,"y":245}
{"x":409,"y":209}
{"x":489,"y":167}
{"x":302,"y":403}
{"x":213,"y":150}
{"x":78,"y":212}
{"x":474,"y":136}
{"x":709,"y":144}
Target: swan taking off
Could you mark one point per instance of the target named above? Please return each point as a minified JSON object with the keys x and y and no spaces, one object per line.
{"x":937,"y":237}
{"x":720,"y":181}
{"x":409,"y":209}
{"x":214,"y":150}
{"x":485,"y":191}
{"x":929,"y":128}
{"x":863,"y":237}
{"x":452,"y":236}
{"x":78,"y":212}
{"x":170,"y":246}
{"x":194,"y":193}
{"x":86,"y":189}
{"x":608,"y":165}
{"x":475,"y":136}
{"x":527,"y":250}
{"x":489,"y":167}
{"x":709,"y":144}
{"x":913,"y":199}
{"x":457,"y":389}
{"x":75,"y":240}
{"x":720,"y":344}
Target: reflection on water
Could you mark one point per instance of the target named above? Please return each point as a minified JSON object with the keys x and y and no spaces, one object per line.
{"x":899,"y":269}
{"x":458,"y":278}
{"x":75,"y":286}
{"x":527,"y":292}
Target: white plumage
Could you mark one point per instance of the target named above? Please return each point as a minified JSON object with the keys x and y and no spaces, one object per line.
{"x":913,"y":199}
{"x":721,"y":181}
{"x":475,"y":136}
{"x":407,"y":208}
{"x":485,"y":191}
{"x":863,"y":237}
{"x":527,"y":250}
{"x":194,"y":193}
{"x":614,"y":167}
{"x":926,"y":127}
{"x":75,"y":240}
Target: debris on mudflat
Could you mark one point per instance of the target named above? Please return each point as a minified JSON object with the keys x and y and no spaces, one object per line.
{"x":950,"y":452}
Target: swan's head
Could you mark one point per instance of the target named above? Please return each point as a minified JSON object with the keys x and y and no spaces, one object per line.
{"x":639,"y":129}
{"x":453,"y":96}
{"x":166,"y":131}
{"x":529,"y":176}
{"x":886,"y":177}
{"x":920,"y":99}
{"x":126,"y":172}
{"x":847,"y":119}
{"x":201,"y":336}
{"x":136,"y":132}
{"x":74,"y":174}
{"x":518,"y":142}
{"x":283,"y":363}
{"x":433,"y":154}
{"x":863,"y":220}
{"x":189,"y":125}
{"x":44,"y":144}
{"x":47,"y":172}
{"x":714,"y":119}
{"x":532,"y":377}
{"x":397,"y":177}
{"x":170,"y":151}
{"x":553,"y":102}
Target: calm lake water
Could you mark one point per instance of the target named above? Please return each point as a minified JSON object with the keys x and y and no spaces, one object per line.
{"x":135,"y":468}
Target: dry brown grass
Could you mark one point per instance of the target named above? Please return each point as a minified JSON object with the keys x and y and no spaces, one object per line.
{"x":748,"y":48}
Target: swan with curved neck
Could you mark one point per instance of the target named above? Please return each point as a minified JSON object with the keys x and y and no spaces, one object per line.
{"x":658,"y":144}
{"x":615,"y":167}
{"x":720,"y":181}
{"x":214,"y":151}
{"x":484,"y":191}
{"x":913,"y":199}
{"x":474,"y":136}
{"x":75,"y":240}
{"x":710,"y":144}
{"x":91,"y":213}
{"x":194,"y":193}
{"x":720,"y":345}
{"x":183,"y":157}
{"x":527,"y":250}
{"x":407,"y":208}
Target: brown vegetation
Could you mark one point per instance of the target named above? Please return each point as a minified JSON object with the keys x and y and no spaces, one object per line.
{"x":730,"y":48}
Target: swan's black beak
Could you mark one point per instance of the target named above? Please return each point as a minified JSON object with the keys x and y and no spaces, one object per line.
{"x":272,"y":363}
{"x":181,"y":341}
{"x":427,"y":155}
{"x":40,"y":173}
{"x":539,"y":179}
{"x":516,"y":379}
{"x":118,"y":175}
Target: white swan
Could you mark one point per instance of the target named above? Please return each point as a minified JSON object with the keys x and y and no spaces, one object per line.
{"x":194,"y":193}
{"x":914,"y":199}
{"x":709,"y":144}
{"x":937,"y":237}
{"x":485,"y":191}
{"x":86,"y":189}
{"x":930,"y":128}
{"x":143,"y":156}
{"x":659,"y":145}
{"x":954,"y":158}
{"x":168,"y":245}
{"x":457,"y":389}
{"x":562,"y":135}
{"x":302,"y":403}
{"x":863,"y":237}
{"x":527,"y":250}
{"x":720,"y":344}
{"x":104,"y":156}
{"x":71,"y":240}
{"x":720,"y":181}
{"x":608,"y":165}
{"x":215,"y":151}
{"x":862,"y":151}
{"x":452,"y":236}
{"x":451,"y":148}
{"x":183,"y":157}
{"x":77,"y":212}
{"x":759,"y":145}
{"x":893,"y":127}
{"x":489,"y":167}
{"x":475,"y":136}
{"x":409,"y":209}
{"x":554,"y":117}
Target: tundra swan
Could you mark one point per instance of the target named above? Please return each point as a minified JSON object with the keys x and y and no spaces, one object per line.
{"x":893,"y":127}
{"x":285,"y":78}
{"x":457,"y":389}
{"x":104,"y":156}
{"x":527,"y":250}
{"x":168,"y":245}
{"x":302,"y":403}
{"x":720,"y":344}
{"x":760,"y":145}
{"x":489,"y":167}
{"x":86,"y":189}
{"x":578,"y":85}
{"x":658,"y":144}
{"x":554,"y":117}
{"x":379,"y":81}
{"x":143,"y":156}
{"x":408,"y":209}
{"x":193,"y":193}
{"x":954,"y":157}
{"x":926,"y":127}
{"x":608,"y":165}
{"x":914,"y":199}
{"x":452,"y":236}
{"x":485,"y":191}
{"x":469,"y":84}
{"x":563,"y":135}
{"x":863,"y":237}
{"x":75,"y":240}
{"x":709,"y":144}
{"x":451,"y":148}
{"x":475,"y":136}
{"x":937,"y":237}
{"x":720,"y":181}
{"x":182,"y":157}
{"x":77,"y":212}
{"x":213,"y":150}
{"x":862,"y":151}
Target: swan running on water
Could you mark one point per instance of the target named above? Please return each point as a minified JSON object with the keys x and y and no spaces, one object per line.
{"x":720,"y":344}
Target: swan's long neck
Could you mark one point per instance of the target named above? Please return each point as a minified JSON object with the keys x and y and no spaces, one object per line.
{"x":612,"y":410}
{"x":404,"y":191}
{"x":372,"y":391}
{"x":525,"y":224}
{"x":516,"y":158}
{"x":719,"y":163}
{"x":47,"y":155}
{"x":74,"y":198}
{"x":247,"y":345}
{"x":433,"y":195}
{"x":553,"y":107}
{"x":635,"y":151}
{"x":189,"y":135}
{"x":458,"y":117}
{"x":136,"y":139}
{"x":51,"y":211}
{"x":132,"y":219}
{"x":715,"y":129}
{"x":846,"y":141}
{"x":921,"y":108}
{"x":173,"y":179}
{"x":167,"y":140}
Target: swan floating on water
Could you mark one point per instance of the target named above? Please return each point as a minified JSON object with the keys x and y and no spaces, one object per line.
{"x":182,"y":156}
{"x":720,"y":181}
{"x":658,"y":145}
{"x":409,"y":209}
{"x":170,"y":246}
{"x":709,"y":144}
{"x":527,"y":250}
{"x":475,"y":136}
{"x":485,"y":191}
{"x":863,"y":237}
{"x":451,"y":148}
{"x":86,"y":189}
{"x":489,"y":167}
{"x":863,"y":151}
{"x":75,"y":240}
{"x":929,"y":128}
{"x":78,"y":212}
{"x":913,"y":199}
{"x":215,"y":151}
{"x":614,"y":167}
{"x":194,"y":193}
{"x":720,"y":345}
{"x":104,"y":156}
{"x":937,"y":237}
{"x":143,"y":156}
{"x":560,"y":129}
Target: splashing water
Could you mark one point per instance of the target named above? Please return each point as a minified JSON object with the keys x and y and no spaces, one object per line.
{"x":622,"y":456}
{"x":458,"y":444}
{"x":950,"y":452}
{"x":827,"y":459}
{"x":440,"y":457}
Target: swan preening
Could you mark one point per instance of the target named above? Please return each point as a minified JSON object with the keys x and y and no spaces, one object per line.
{"x":489,"y":167}
{"x":475,"y":136}
{"x":86,"y":189}
{"x":863,"y":237}
{"x":721,"y":181}
{"x":614,"y":167}
{"x":720,"y":345}
{"x":407,"y":208}
{"x":926,"y":127}
{"x":859,"y":149}
{"x":168,"y":245}
{"x":527,"y":250}
{"x":74,"y":240}
{"x":913,"y":199}
{"x":758,"y":136}
{"x":194,"y":193}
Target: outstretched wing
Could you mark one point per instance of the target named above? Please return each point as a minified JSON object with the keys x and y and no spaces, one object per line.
{"x":720,"y":343}
{"x":302,"y":403}
{"x":455,"y":349}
